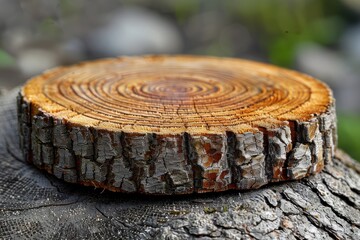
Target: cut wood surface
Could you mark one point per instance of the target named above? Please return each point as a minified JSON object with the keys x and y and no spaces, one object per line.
{"x":36,"y":205}
{"x":176,"y":124}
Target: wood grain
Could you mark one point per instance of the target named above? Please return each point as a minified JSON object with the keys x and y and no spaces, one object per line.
{"x":176,"y":124}
{"x":36,"y":205}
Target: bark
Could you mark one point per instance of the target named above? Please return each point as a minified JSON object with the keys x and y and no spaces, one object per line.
{"x":196,"y":144}
{"x":37,"y":205}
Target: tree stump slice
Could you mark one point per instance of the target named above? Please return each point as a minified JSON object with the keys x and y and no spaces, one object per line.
{"x":176,"y":124}
{"x":37,"y":205}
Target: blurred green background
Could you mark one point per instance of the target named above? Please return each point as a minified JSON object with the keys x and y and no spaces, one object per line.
{"x":318,"y":37}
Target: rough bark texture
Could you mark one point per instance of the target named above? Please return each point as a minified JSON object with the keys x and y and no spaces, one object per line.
{"x":37,"y":205}
{"x":195,"y":145}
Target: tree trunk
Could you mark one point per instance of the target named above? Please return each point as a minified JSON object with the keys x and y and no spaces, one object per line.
{"x":39,"y":206}
{"x":176,"y":125}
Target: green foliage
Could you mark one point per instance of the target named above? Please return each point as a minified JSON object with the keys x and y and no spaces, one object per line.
{"x":67,"y":7}
{"x":5,"y":59}
{"x":49,"y":27}
{"x":282,"y":25}
{"x":184,"y":9}
{"x":282,"y":48}
{"x":349,"y":132}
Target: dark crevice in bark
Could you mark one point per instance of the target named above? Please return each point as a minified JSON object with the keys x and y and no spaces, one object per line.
{"x":296,"y":237}
{"x":324,"y":203}
{"x":326,"y":229}
{"x":313,"y":221}
{"x":40,"y":206}
{"x":268,"y":160}
{"x":231,"y":154}
{"x":328,"y":172}
{"x":344,"y":198}
{"x":102,"y":213}
{"x":357,"y":191}
{"x":267,"y":201}
{"x":191,"y":158}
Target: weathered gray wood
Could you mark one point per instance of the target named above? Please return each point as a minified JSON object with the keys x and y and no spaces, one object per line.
{"x":36,"y":205}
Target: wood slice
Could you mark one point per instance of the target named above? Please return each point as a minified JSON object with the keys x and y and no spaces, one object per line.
{"x":176,"y":124}
{"x":36,"y":205}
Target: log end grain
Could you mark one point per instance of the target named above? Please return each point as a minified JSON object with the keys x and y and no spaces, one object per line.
{"x":176,"y":124}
